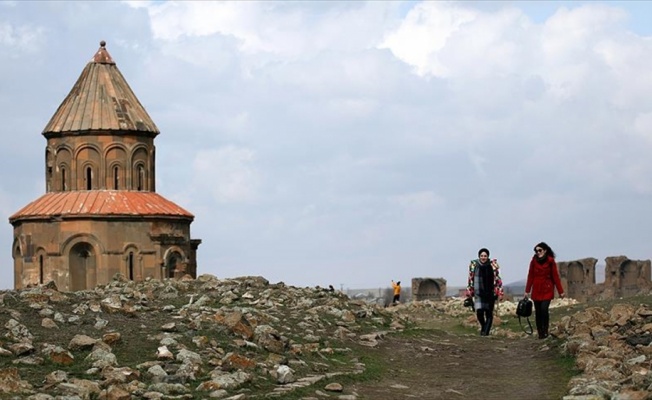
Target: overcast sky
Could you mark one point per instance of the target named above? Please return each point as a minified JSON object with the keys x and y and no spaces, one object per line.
{"x":351,"y":143}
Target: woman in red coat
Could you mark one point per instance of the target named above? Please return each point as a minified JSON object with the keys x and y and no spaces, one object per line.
{"x":542,"y":278}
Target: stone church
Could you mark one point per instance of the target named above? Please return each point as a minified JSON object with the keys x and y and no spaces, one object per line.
{"x":100,"y":214}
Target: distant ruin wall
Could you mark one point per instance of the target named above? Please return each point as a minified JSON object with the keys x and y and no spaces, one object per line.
{"x":428,"y":289}
{"x":623,"y":278}
{"x":578,"y":277}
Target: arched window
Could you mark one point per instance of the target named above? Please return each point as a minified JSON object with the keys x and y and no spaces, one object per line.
{"x":141,"y":178}
{"x":116,"y":178}
{"x":40,"y":268}
{"x":131,"y":265}
{"x":89,"y":178}
{"x":63,"y":179}
{"x":49,"y":179}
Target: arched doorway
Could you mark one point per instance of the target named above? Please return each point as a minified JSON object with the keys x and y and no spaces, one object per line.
{"x":429,"y":289}
{"x":82,"y":265}
{"x":172,"y":264}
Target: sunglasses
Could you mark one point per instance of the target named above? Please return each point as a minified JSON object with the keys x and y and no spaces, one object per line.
{"x":539,"y":250}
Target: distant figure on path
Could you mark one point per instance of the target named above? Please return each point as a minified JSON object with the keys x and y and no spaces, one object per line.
{"x":542,"y":278}
{"x":484,"y":283}
{"x":397,"y":292}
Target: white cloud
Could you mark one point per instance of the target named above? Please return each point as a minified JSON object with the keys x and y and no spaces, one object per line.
{"x":570,"y":41}
{"x":453,"y":40}
{"x":643,"y":125}
{"x":356,"y":138}
{"x":424,"y":32}
{"x":449,"y":40}
{"x":228,"y":173}
{"x":138,"y":3}
{"x":20,"y":37}
{"x":285,"y":30}
{"x":625,"y":56}
{"x":418,"y":201}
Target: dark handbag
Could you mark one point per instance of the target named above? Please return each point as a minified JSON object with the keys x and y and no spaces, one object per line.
{"x":468,"y":302}
{"x":524,"y":309}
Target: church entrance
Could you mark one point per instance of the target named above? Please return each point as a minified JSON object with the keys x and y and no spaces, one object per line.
{"x":172,"y":264}
{"x":82,"y":264}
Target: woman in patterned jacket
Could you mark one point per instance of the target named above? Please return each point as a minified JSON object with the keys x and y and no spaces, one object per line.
{"x":485,"y":285}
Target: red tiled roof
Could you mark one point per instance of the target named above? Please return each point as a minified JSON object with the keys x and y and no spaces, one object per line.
{"x":100,"y":203}
{"x":101,"y":100}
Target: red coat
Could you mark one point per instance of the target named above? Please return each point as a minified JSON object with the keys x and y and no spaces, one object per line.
{"x":542,"y":280}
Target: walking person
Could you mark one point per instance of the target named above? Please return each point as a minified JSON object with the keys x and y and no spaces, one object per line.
{"x":485,"y":286}
{"x":542,"y":279}
{"x":397,"y":291}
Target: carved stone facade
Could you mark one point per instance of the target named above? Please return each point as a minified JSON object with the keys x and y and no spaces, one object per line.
{"x":428,"y":289}
{"x":100,"y":214}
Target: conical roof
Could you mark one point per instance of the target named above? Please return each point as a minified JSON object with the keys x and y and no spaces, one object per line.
{"x":101,"y":100}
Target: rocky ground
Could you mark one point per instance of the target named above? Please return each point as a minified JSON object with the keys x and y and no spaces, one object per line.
{"x":245,"y":338}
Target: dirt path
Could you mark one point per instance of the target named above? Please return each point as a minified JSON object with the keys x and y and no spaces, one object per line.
{"x":438,"y":365}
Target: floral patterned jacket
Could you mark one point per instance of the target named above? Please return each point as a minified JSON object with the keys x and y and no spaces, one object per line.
{"x":498,"y":282}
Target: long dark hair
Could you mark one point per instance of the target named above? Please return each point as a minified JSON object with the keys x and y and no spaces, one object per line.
{"x":547,"y":248}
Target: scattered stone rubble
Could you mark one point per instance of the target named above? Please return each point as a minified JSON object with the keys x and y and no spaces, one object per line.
{"x":232,"y":339}
{"x":613,"y":350}
{"x":245,"y":338}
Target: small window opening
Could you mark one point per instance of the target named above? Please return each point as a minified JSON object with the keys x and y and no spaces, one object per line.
{"x":63,"y":179}
{"x":89,"y":178}
{"x":131,"y":266}
{"x":116,"y":178}
{"x":41,"y":269}
{"x":141,"y":178}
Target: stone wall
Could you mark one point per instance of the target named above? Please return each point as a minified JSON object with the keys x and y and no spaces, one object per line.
{"x":578,"y":277}
{"x":623,"y":278}
{"x":80,"y":254}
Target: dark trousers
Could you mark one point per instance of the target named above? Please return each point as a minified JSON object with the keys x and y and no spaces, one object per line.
{"x":485,"y":318}
{"x":542,"y":317}
{"x":396,"y":298}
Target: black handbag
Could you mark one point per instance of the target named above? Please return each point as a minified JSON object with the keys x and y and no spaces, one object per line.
{"x":524,"y":309}
{"x":468,"y":302}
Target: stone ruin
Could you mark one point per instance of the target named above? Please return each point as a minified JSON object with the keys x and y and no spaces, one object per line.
{"x":578,"y":277}
{"x":428,"y":289}
{"x":623,"y":278}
